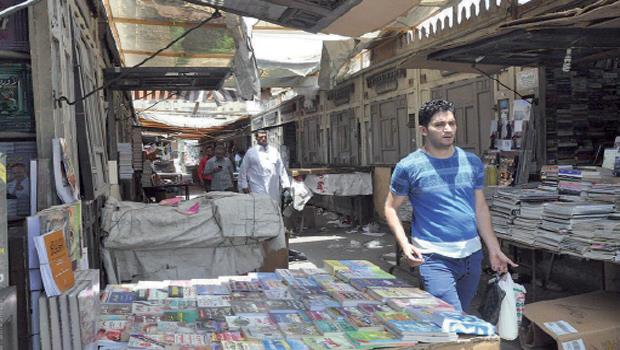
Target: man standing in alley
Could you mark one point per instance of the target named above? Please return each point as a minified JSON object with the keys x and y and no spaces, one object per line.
{"x":205,"y":179}
{"x":262,"y":170}
{"x":221,"y":169}
{"x":450,"y":214}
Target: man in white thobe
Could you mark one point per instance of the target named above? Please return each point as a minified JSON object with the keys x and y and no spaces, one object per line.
{"x":262,"y":169}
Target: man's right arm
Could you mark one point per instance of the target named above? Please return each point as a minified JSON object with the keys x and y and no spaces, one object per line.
{"x":410,"y":252}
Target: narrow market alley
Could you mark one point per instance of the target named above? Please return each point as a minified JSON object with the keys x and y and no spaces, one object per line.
{"x":262,"y":175}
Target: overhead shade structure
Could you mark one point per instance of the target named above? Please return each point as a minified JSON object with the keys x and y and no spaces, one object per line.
{"x":421,"y":61}
{"x":582,"y":33}
{"x":170,"y":79}
{"x":534,"y":47}
{"x":142,"y":28}
{"x":344,"y":17}
{"x":193,"y":127}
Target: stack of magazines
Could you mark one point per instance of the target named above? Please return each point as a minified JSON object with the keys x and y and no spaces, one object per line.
{"x":270,"y":311}
{"x":559,"y":218}
{"x":517,"y":212}
{"x":598,"y":240}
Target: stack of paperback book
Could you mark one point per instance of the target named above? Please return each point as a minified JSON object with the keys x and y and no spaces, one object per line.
{"x":288,"y":309}
{"x":517,"y":212}
{"x":67,"y":321}
{"x":598,"y":240}
{"x":559,"y":218}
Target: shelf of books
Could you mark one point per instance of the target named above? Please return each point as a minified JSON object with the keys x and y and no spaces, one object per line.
{"x":348,"y":304}
{"x":574,"y":211}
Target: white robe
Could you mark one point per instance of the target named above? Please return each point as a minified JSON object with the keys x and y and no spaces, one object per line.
{"x":263,"y":171}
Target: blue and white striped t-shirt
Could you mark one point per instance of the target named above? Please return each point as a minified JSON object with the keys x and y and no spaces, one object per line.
{"x":442,"y":194}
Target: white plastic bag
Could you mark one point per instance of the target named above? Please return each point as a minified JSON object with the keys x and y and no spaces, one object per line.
{"x":507,"y":326}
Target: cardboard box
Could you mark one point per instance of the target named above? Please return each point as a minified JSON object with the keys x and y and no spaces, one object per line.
{"x":272,"y":260}
{"x":585,"y":321}
{"x":467,"y":343}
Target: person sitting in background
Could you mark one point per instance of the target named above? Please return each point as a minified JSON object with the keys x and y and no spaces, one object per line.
{"x":221,"y":170}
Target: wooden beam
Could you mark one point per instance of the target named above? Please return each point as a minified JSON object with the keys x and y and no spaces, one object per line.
{"x":40,"y":52}
{"x":117,"y":38}
{"x":156,"y":22}
{"x":180,"y":54}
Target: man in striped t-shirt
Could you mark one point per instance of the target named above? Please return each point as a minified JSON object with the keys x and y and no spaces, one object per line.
{"x":450,"y":215}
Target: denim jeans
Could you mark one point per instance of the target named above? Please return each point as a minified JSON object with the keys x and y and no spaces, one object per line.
{"x":454,"y":280}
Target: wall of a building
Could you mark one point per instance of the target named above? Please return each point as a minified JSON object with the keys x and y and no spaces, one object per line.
{"x":414,"y":86}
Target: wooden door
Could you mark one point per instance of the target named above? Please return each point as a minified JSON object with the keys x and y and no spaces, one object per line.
{"x":344,"y":138}
{"x":311,"y":141}
{"x":473,"y":101}
{"x":391,"y":133}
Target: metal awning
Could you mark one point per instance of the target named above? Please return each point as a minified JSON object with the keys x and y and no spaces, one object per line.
{"x":535,"y":47}
{"x":344,"y":17}
{"x":166,"y":78}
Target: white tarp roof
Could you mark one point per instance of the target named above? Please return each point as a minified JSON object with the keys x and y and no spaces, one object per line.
{"x":183,"y":121}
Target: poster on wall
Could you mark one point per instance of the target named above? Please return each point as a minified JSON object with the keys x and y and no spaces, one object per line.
{"x":521,"y":110}
{"x":18,"y":187}
{"x":64,"y":171}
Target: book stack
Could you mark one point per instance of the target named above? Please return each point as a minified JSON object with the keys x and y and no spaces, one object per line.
{"x":579,"y":115}
{"x":559,"y":218}
{"x":136,"y":149}
{"x":604,"y":192}
{"x":549,"y":178}
{"x":68,"y":320}
{"x":598,"y":240}
{"x":420,"y":331}
{"x":125,"y":161}
{"x":237,"y":312}
{"x":517,"y":212}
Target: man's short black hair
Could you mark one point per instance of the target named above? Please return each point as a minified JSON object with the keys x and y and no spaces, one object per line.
{"x":430,"y":108}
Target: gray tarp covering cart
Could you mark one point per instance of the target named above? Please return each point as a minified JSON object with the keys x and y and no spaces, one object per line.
{"x":225,"y":237}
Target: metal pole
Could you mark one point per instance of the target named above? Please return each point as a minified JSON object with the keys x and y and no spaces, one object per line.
{"x":4,"y":242}
{"x":11,"y":10}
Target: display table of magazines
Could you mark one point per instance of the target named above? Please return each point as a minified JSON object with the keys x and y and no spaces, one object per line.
{"x":349,"y":304}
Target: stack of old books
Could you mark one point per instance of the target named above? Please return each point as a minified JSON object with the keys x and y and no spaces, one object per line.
{"x":603,"y":192}
{"x":503,"y":208}
{"x":270,"y":311}
{"x":549,"y":177}
{"x":559,"y":218}
{"x":599,"y":240}
{"x":517,"y":212}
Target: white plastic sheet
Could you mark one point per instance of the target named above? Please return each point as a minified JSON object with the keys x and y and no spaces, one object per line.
{"x":226,"y":236}
{"x":301,"y":194}
{"x":353,"y":184}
